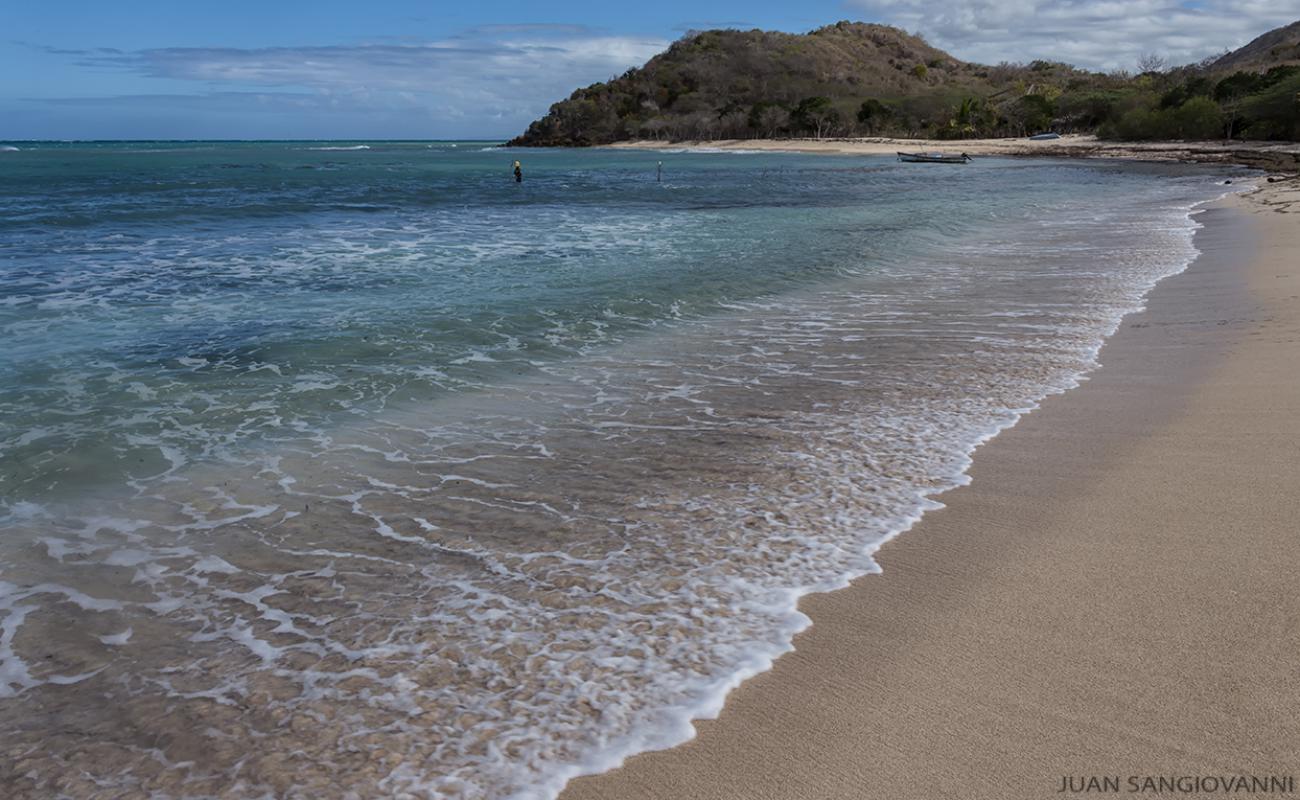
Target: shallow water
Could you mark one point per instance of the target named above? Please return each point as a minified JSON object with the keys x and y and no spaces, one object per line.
{"x":368,"y":472}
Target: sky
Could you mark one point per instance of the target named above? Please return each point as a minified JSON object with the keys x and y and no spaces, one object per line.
{"x":375,"y":69}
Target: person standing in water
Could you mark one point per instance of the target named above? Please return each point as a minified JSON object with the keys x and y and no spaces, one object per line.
{"x":519,"y":172}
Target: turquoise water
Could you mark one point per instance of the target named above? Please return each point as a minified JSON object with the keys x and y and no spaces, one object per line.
{"x":163,"y":301}
{"x":434,"y":482}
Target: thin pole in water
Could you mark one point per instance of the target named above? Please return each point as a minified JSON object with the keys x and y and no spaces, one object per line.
{"x":659,"y":173}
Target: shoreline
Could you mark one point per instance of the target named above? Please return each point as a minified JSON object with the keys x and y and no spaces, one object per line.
{"x":1269,"y":156}
{"x":902,"y":682}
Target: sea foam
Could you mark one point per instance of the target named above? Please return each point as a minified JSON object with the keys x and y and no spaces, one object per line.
{"x":525,"y":492}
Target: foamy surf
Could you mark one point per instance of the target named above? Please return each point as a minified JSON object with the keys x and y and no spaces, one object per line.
{"x":520,"y":493}
{"x":740,"y":151}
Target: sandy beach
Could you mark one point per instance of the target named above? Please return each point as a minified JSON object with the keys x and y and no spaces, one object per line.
{"x":661,"y":414}
{"x":1264,"y":155}
{"x":1113,"y":595}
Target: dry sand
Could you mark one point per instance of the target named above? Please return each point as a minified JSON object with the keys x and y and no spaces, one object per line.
{"x":1265,"y":155}
{"x":1114,"y":594}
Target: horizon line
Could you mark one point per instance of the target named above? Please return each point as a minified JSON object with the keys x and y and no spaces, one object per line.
{"x":294,"y":139}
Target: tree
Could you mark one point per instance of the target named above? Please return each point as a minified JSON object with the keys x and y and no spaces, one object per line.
{"x":1199,"y":118}
{"x":768,"y":119}
{"x":1088,"y":110}
{"x":1150,"y":62}
{"x":1231,"y":93}
{"x":923,"y":111}
{"x":734,"y":125}
{"x":1237,"y":85}
{"x":873,"y":113}
{"x":816,"y":115}
{"x":1034,"y":112}
{"x":1142,"y":123}
{"x":654,"y":128}
{"x":703,"y":126}
{"x":972,"y":117}
{"x":1275,"y":112}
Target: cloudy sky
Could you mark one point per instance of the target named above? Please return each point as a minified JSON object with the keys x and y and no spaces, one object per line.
{"x":434,"y":69}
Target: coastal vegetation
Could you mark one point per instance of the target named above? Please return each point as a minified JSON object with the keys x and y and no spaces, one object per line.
{"x":858,"y":79}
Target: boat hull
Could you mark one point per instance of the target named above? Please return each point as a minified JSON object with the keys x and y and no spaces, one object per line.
{"x":933,"y":158}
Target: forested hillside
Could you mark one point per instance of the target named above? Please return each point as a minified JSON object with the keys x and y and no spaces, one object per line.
{"x":855,"y":79}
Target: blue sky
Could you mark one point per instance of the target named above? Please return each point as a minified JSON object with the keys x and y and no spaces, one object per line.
{"x":401,"y":69}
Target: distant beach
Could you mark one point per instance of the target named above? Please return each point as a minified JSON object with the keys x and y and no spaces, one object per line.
{"x":1111,"y":598}
{"x":1284,"y":156}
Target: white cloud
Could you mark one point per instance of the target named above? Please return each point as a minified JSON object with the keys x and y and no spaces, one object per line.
{"x":1097,"y":34}
{"x":487,"y":81}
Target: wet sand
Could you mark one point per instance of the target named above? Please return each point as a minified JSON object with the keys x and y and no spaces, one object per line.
{"x":1113,"y":595}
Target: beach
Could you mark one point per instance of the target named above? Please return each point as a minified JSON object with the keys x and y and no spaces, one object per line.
{"x":482,"y":406}
{"x":336,"y":469}
{"x":1264,"y":155}
{"x":1111,"y":597}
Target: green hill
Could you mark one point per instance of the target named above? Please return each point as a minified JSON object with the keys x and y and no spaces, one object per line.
{"x":851,"y":79}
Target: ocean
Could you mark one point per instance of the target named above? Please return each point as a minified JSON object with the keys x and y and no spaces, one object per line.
{"x":360,"y":470}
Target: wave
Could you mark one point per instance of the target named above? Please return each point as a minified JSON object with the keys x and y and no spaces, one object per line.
{"x":714,"y":151}
{"x":446,"y":590}
{"x":340,"y":147}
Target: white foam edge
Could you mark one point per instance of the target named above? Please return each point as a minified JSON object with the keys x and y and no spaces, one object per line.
{"x":678,"y":720}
